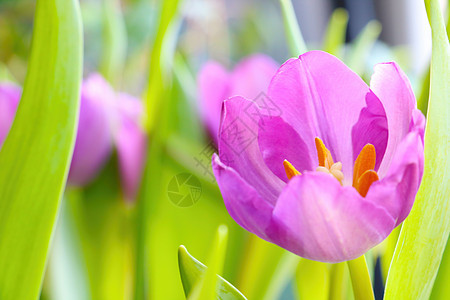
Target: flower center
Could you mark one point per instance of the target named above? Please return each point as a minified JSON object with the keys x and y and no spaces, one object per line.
{"x":363,"y":171}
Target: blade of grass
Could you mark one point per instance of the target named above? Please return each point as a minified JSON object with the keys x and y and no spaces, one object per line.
{"x":294,"y":36}
{"x":36,"y":154}
{"x":336,"y":31}
{"x":425,"y":232}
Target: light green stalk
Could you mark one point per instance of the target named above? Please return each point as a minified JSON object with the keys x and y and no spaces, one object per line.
{"x":361,"y":283}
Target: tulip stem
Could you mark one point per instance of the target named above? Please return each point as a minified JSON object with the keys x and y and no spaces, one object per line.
{"x":359,"y":273}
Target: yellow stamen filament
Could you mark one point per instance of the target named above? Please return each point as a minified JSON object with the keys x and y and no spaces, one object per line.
{"x":364,"y":162}
{"x":365,"y":181}
{"x":290,"y":170}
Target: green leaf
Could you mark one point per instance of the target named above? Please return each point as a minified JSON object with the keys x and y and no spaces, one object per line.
{"x":191,"y":272}
{"x":425,"y":232}
{"x":335,"y":35}
{"x":114,"y":47}
{"x":36,"y":155}
{"x":441,"y":288}
{"x":294,"y":36}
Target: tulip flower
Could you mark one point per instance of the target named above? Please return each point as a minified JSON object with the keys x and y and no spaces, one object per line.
{"x":335,"y":171}
{"x":9,"y":99}
{"x":94,"y":136}
{"x":105,"y":119}
{"x":131,"y":143}
{"x":249,"y":78}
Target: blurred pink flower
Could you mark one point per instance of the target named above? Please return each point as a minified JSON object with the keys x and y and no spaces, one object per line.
{"x":94,"y":136}
{"x":131,"y":143}
{"x":335,"y":171}
{"x":105,"y":118}
{"x":250,"y":77}
{"x":9,"y":99}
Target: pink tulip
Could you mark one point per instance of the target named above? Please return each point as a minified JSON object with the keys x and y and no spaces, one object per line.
{"x":335,"y":170}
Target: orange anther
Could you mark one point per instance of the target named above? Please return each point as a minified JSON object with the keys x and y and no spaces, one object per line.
{"x":364,"y":162}
{"x":325,"y":158}
{"x":290,"y":170}
{"x":365,"y":181}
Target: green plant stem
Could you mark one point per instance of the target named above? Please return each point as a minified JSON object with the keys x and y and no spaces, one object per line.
{"x":294,"y":36}
{"x":359,"y":273}
{"x":338,"y":280}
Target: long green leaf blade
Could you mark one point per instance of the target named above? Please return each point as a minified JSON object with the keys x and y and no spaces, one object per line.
{"x":425,"y":232}
{"x":35,"y":157}
{"x":334,"y":39}
{"x":191,"y":272}
{"x":294,"y":35}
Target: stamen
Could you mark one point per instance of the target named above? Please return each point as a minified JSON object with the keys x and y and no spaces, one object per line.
{"x":364,"y":162}
{"x":365,"y":181}
{"x":326,"y":163}
{"x":325,"y":158}
{"x":290,"y":170}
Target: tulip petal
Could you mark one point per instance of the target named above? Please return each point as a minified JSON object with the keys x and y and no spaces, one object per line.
{"x":371,"y":128}
{"x":213,"y":89}
{"x":397,"y":190}
{"x":9,"y":99}
{"x":243,"y":203}
{"x":321,"y":97}
{"x":94,"y":136}
{"x":317,"y":218}
{"x":131,"y":143}
{"x":393,"y":89}
{"x":278,"y":141}
{"x":238,"y":147}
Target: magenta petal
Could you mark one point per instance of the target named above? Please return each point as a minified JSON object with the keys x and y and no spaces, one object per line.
{"x":212,"y":86}
{"x":279,"y":141}
{"x":393,"y":89}
{"x":252,"y":76}
{"x":320,"y":97}
{"x":131,"y":143}
{"x":94,"y":136}
{"x":397,"y":190}
{"x":9,"y":99}
{"x":238,"y":147}
{"x":371,"y":128}
{"x":243,"y":203}
{"x":317,"y":218}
